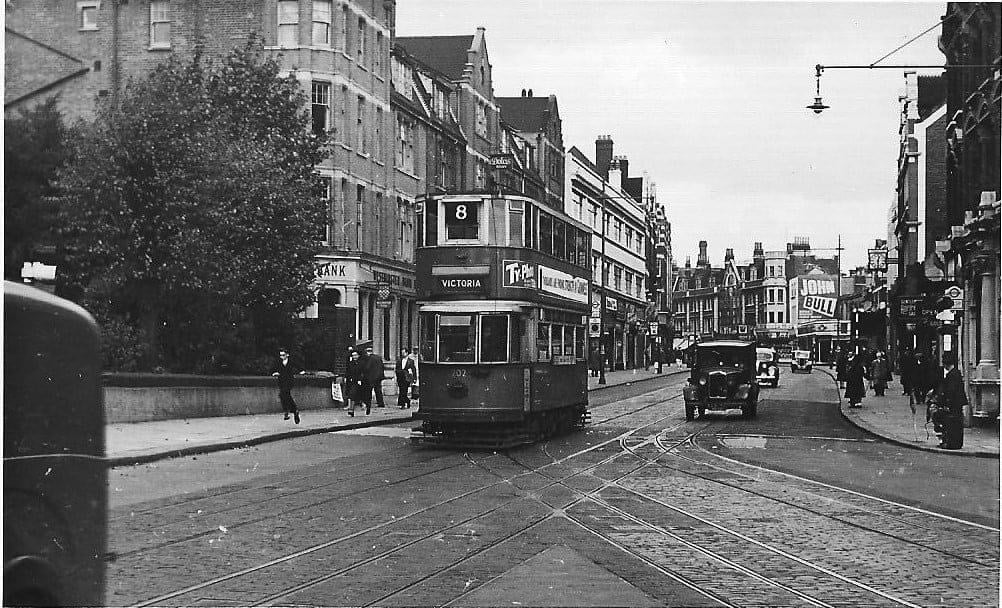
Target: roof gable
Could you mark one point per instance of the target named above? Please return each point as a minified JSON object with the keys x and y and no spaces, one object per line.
{"x":444,"y":54}
{"x":525,"y":114}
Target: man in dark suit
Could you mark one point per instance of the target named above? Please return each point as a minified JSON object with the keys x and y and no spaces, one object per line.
{"x":406,"y":372}
{"x":286,"y":371}
{"x":950,"y":402}
{"x":372,"y":373}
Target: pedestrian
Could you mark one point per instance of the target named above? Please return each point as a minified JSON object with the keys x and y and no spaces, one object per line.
{"x":594,"y":362}
{"x":286,"y":371}
{"x":879,"y":373}
{"x":925,"y":377}
{"x":948,"y":415}
{"x":855,"y":389}
{"x":906,"y":367}
{"x":841,"y":367}
{"x":372,"y":372}
{"x":353,"y":378}
{"x":406,"y":374}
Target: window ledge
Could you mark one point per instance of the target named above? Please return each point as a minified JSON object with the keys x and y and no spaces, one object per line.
{"x":159,"y":47}
{"x":88,"y":29}
{"x":407,"y":173}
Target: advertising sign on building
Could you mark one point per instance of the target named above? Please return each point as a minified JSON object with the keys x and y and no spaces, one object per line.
{"x":516,"y":273}
{"x":563,"y":285}
{"x":814,"y":297}
{"x":876,"y":260}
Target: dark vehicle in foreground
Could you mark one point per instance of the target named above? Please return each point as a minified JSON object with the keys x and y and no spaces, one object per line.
{"x":722,"y":378}
{"x":801,"y":362}
{"x":767,"y":371}
{"x":54,"y":474}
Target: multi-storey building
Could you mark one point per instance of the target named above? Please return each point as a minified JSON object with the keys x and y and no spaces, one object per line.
{"x":972,"y":36}
{"x":536,"y":122}
{"x":339,"y":51}
{"x":597,"y":197}
{"x":919,"y":209}
{"x":696,"y":295}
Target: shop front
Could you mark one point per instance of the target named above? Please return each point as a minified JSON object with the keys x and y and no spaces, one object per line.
{"x":359,"y":299}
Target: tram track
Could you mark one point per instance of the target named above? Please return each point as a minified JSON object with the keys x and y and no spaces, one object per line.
{"x":191,"y":589}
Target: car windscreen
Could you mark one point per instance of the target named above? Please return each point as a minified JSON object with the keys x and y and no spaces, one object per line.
{"x":763,"y":356}
{"x":722,"y":357}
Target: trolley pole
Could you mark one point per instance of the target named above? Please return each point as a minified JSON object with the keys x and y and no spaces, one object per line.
{"x":601,"y":311}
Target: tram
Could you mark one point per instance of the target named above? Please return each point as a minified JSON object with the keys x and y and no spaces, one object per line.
{"x":503,"y":297}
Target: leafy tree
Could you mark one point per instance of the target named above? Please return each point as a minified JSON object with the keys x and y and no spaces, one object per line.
{"x":196,"y":204}
{"x":34,"y":150}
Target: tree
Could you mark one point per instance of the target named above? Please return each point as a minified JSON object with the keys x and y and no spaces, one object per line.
{"x":34,"y":150}
{"x":195,"y":202}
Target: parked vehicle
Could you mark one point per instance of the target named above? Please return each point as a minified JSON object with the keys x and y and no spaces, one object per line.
{"x":722,"y":378}
{"x":54,"y":474}
{"x":768,"y":366}
{"x":801,"y":361}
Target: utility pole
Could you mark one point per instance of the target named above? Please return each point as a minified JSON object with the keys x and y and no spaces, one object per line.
{"x":601,"y":311}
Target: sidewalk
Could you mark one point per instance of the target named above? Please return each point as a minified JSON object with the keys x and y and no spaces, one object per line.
{"x":140,"y":442}
{"x":890,"y":417}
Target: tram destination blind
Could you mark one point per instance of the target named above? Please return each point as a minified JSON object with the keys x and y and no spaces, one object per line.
{"x":462,"y":220}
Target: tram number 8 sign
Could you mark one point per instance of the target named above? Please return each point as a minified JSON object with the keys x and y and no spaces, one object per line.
{"x":461,"y":220}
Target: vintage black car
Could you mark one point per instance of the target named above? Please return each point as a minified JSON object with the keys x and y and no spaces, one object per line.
{"x":801,"y":361}
{"x":768,"y":366}
{"x":722,"y":378}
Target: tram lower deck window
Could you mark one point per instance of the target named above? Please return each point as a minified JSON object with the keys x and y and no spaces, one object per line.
{"x":493,"y":338}
{"x":456,"y":338}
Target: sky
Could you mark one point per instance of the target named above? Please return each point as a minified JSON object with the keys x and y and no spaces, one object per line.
{"x":709,"y":99}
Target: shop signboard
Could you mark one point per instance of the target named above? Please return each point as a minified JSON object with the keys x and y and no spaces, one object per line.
{"x":459,"y":284}
{"x":910,"y":309}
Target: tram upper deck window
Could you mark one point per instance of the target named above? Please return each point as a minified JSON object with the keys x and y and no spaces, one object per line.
{"x":456,"y":338}
{"x":559,"y":239}
{"x":546,"y":233}
{"x":494,"y":338}
{"x":516,"y":223}
{"x":462,"y":221}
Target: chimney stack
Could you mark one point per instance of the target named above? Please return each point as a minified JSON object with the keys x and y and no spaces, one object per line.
{"x":615,"y":174}
{"x":624,"y":170}
{"x":603,"y":154}
{"x":758,"y":253}
{"x":703,"y":259}
{"x":729,"y":255}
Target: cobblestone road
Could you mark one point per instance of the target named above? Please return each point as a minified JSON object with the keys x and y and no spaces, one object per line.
{"x":640,"y":509}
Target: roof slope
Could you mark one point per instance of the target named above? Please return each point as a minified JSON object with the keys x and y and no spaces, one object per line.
{"x":526,"y":114}
{"x":445,"y":54}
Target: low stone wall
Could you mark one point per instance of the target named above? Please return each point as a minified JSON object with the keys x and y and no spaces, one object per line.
{"x":146,"y":397}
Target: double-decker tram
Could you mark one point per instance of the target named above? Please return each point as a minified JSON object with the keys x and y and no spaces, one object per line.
{"x":503,"y":296}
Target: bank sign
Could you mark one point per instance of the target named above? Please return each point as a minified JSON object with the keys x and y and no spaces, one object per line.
{"x":815,"y":297}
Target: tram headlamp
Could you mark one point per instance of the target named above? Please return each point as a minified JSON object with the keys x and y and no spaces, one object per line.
{"x":702,"y":380}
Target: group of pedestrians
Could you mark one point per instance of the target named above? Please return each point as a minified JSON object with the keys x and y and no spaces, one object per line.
{"x":363,"y":378}
{"x":924,"y":382}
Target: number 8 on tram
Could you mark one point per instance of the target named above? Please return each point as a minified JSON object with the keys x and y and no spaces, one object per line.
{"x":503,"y":295}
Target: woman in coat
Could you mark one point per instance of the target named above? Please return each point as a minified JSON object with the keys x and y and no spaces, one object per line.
{"x":854,"y":390}
{"x":353,"y":381}
{"x":841,"y":366}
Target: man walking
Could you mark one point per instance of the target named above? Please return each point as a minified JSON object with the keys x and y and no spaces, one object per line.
{"x":372,"y":373}
{"x":950,"y":402}
{"x":405,"y":373}
{"x":906,"y":367}
{"x":285,"y":370}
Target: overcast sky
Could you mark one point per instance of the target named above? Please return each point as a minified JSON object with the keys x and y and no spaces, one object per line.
{"x":708,"y":98}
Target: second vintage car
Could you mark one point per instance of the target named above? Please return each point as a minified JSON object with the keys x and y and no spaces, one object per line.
{"x":722,"y":378}
{"x":767,"y":366}
{"x":801,"y":361}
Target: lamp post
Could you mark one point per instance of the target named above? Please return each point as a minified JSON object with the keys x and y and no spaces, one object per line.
{"x":601,"y":310}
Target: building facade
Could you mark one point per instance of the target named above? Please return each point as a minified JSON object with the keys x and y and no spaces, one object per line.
{"x":596,"y":196}
{"x":972,"y":36}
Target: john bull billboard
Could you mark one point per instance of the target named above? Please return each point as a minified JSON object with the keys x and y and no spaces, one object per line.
{"x":813,"y":297}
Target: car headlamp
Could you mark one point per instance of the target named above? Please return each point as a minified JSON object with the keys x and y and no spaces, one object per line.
{"x":702,"y":380}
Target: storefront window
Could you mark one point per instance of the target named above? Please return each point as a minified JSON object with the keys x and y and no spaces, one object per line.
{"x":543,"y":341}
{"x":493,"y":338}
